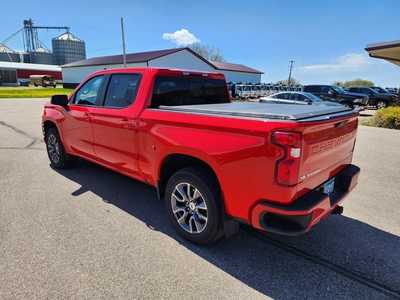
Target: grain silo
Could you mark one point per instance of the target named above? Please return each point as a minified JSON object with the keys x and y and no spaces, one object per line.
{"x":7,"y":54}
{"x":41,"y":56}
{"x":67,"y":48}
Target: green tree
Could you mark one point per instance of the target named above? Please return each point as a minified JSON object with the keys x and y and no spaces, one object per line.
{"x":354,"y":82}
{"x":208,"y":52}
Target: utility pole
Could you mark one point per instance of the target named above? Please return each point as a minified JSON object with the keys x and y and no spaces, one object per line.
{"x":123,"y":42}
{"x":291,"y":62}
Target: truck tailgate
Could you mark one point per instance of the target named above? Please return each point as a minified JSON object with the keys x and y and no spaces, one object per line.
{"x":326,"y":145}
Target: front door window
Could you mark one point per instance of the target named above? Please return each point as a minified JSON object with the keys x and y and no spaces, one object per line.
{"x":88,"y":93}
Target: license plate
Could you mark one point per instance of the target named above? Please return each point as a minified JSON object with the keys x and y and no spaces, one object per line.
{"x":329,"y":186}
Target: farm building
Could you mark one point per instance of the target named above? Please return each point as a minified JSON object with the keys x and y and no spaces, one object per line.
{"x":183,"y":58}
{"x":11,"y":73}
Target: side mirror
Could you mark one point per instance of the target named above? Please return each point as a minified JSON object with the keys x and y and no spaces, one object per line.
{"x":61,"y":100}
{"x":330,"y":92}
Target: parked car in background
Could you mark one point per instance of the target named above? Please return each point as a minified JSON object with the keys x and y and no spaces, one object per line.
{"x":252,"y":91}
{"x":375,"y":98}
{"x":239,"y":91}
{"x":43,"y":80}
{"x":257,"y":90}
{"x":393,"y":90}
{"x":279,"y":168}
{"x":296,"y":98}
{"x":382,"y":90}
{"x":394,"y":95}
{"x":244,"y":91}
{"x":24,"y":82}
{"x":337,"y":94}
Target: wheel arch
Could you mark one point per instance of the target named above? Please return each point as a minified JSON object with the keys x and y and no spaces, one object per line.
{"x":47,"y":124}
{"x":177,"y":161}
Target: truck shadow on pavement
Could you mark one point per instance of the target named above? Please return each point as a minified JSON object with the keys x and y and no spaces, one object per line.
{"x":328,"y":262}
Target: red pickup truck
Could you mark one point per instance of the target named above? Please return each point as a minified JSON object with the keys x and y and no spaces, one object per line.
{"x":279,"y":168}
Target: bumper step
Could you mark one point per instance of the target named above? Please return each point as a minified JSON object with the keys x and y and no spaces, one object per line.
{"x":298,"y":217}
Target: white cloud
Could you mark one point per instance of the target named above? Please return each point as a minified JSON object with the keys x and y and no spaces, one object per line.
{"x":182,"y":37}
{"x":347,"y":67}
{"x":346,"y":63}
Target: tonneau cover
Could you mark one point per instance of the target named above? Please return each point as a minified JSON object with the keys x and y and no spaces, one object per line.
{"x":266,"y":110}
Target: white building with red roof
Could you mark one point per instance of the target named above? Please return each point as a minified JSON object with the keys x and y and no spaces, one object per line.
{"x":182,"y":58}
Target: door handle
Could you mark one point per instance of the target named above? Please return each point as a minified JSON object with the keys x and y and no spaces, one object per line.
{"x":127,"y":123}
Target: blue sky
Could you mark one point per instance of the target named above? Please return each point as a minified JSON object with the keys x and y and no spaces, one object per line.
{"x":325,"y":38}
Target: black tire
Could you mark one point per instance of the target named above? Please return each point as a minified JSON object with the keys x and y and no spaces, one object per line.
{"x":209,"y":190}
{"x":349,"y":105}
{"x":381,"y":104}
{"x":59,"y":159}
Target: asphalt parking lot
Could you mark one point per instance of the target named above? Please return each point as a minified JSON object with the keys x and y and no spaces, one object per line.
{"x":87,"y":232}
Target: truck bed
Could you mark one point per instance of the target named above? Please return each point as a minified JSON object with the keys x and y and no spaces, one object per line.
{"x":266,"y":110}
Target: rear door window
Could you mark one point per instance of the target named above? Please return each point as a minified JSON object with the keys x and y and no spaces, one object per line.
{"x":122,"y":90}
{"x":175,"y":91}
{"x":298,"y":97}
{"x":325,"y":89}
{"x":284,"y":96}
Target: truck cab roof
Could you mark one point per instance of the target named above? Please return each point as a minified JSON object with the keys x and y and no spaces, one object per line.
{"x":163,"y":71}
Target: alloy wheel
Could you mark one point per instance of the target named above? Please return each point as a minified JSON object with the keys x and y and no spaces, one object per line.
{"x":53,"y":147}
{"x":189,"y":208}
{"x":381,"y":104}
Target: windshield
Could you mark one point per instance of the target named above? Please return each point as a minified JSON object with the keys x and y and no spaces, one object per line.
{"x":312,"y":97}
{"x":338,"y":89}
{"x":379,"y":89}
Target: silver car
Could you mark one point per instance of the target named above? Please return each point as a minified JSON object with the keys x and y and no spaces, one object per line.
{"x":301,"y":98}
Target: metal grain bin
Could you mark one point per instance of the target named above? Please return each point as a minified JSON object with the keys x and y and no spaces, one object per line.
{"x":68,"y":48}
{"x":42,"y":56}
{"x":7,"y":54}
{"x":25,"y":57}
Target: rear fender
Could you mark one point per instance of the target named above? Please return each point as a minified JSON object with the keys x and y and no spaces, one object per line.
{"x":194,"y":153}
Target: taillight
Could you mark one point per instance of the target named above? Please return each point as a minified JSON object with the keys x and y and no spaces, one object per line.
{"x":287,"y":167}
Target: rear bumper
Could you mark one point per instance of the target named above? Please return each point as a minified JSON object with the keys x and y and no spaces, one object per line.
{"x":308,"y":210}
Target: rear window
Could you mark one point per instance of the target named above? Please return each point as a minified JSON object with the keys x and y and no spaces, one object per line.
{"x":297,"y":97}
{"x":122,"y":90}
{"x":175,"y":91}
